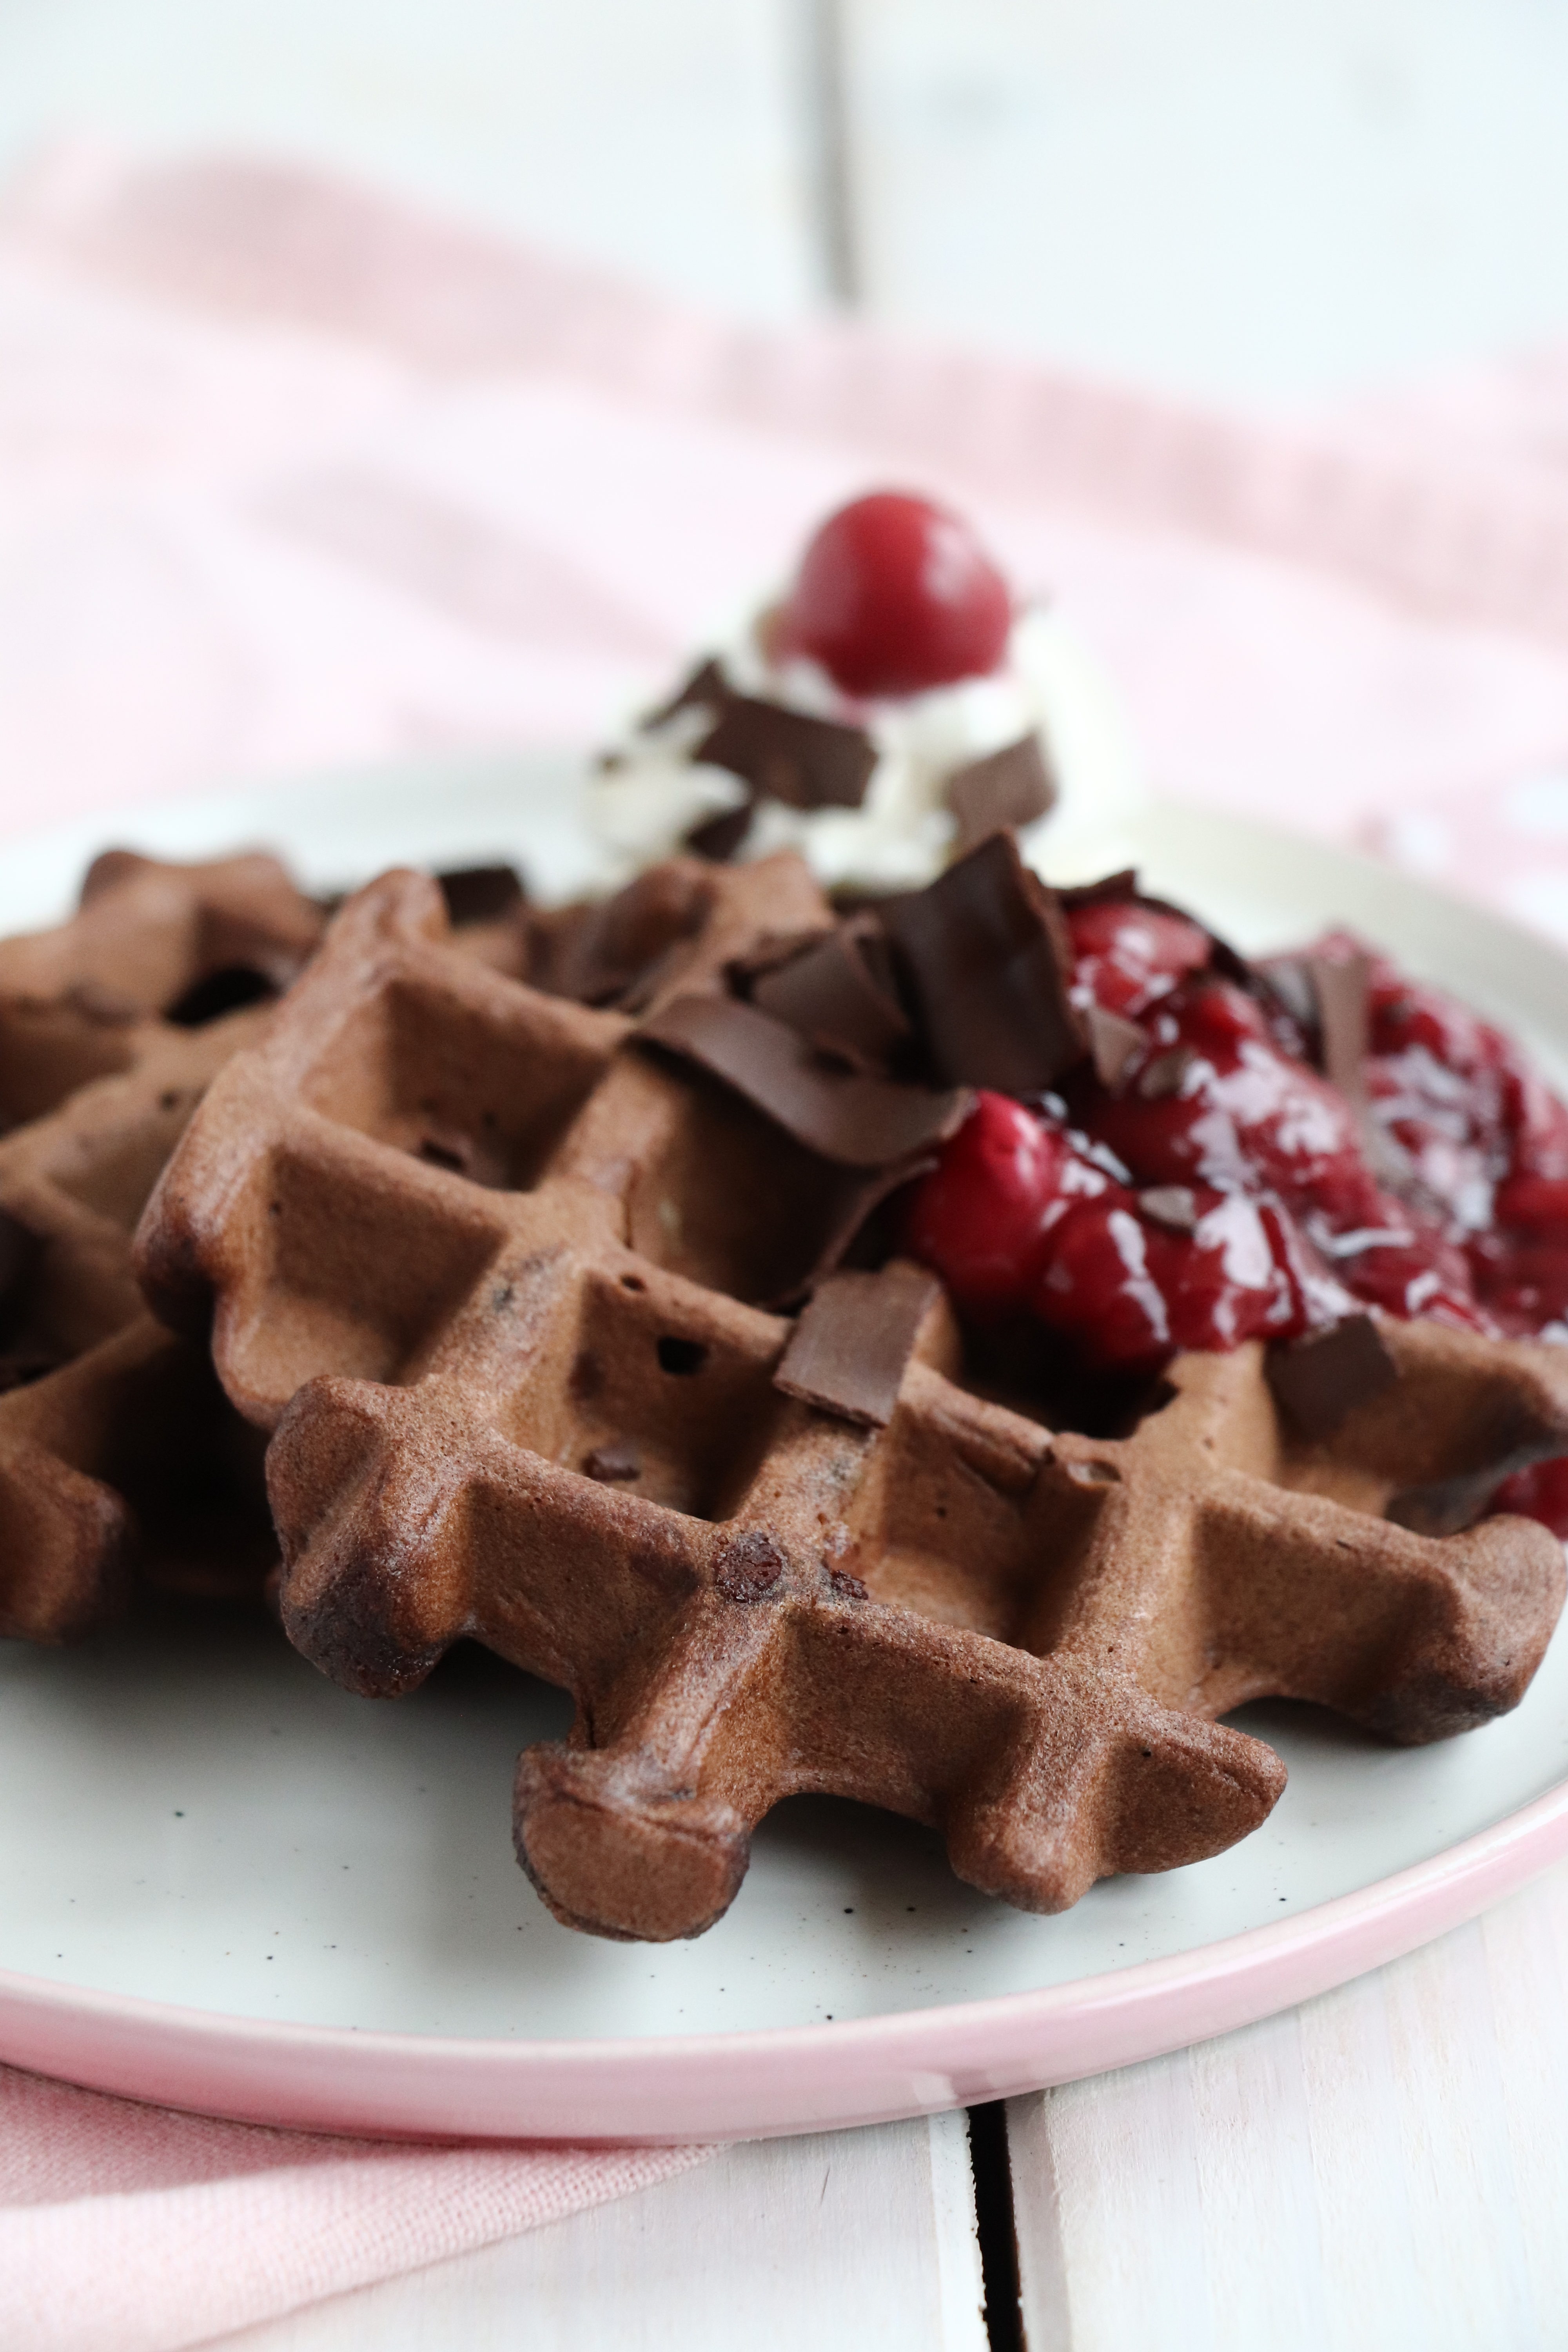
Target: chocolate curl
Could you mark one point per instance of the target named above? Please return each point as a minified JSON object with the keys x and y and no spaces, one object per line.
{"x":1341,"y":986}
{"x":830,"y":993}
{"x":481,"y":894}
{"x":1330,"y":997}
{"x":1011,"y":787}
{"x":703,"y":688}
{"x":848,"y":1351}
{"x":604,"y":954}
{"x":854,"y":1121}
{"x":989,"y":962}
{"x":1114,"y":1045}
{"x":807,"y":763}
{"x":719,"y":838}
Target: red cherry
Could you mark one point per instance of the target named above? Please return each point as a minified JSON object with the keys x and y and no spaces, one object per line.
{"x":1127,"y":956}
{"x":895,"y":594}
{"x":979,"y":1218}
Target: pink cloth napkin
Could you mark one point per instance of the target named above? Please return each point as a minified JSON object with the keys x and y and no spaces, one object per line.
{"x":128,"y":2229}
{"x":291,"y":477}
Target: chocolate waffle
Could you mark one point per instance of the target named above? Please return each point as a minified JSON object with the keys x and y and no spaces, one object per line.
{"x":151,"y":946}
{"x":501,"y":1276}
{"x":119,"y":1455}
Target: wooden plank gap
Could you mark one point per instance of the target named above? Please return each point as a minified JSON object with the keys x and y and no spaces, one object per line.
{"x":996,"y":2225}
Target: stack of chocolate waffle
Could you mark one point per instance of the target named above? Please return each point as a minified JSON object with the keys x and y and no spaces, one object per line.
{"x":118,"y":1452}
{"x":508,"y":1250}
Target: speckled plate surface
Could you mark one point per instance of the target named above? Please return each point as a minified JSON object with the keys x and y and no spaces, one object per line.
{"x":228,"y":1886}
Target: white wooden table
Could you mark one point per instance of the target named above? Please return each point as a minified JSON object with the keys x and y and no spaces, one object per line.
{"x":1383,"y":2170}
{"x":1285,"y":203}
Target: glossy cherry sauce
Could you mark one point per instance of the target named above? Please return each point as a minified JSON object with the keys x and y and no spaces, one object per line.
{"x":1225,"y":1191}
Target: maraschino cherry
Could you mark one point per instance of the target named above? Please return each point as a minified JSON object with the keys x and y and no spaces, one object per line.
{"x":895,"y":596}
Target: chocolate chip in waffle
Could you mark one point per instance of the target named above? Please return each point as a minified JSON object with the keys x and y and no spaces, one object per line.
{"x":489,"y":1264}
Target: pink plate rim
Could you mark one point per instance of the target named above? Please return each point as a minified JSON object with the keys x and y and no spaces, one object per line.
{"x":762,"y":2085}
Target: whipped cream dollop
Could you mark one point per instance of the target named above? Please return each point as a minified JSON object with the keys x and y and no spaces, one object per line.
{"x":651,"y":790}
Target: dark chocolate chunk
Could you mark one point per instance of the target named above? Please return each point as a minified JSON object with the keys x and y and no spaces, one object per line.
{"x":988,"y":961}
{"x":1163,"y":1075}
{"x":858,"y":1122}
{"x":1319,"y":1381}
{"x":1114,"y":1044}
{"x":481,"y":894}
{"x":109,"y":868}
{"x":846,"y":1354}
{"x":601,"y":955}
{"x":1290,"y":978}
{"x":749,"y":1566}
{"x":1172,"y":1205}
{"x":828,"y":994}
{"x":852,"y":1216}
{"x":717,"y":839}
{"x":617,"y":1460}
{"x":807,"y":763}
{"x":1112,"y":889}
{"x":705,"y":687}
{"x":1012,"y":787}
{"x":1341,"y":986}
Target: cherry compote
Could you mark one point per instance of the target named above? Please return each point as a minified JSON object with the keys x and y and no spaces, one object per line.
{"x":1223,"y":1190}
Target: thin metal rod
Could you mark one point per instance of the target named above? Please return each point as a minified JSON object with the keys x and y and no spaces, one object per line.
{"x":831,"y":149}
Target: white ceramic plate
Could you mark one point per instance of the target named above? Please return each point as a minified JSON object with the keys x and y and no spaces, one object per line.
{"x":229,"y":1885}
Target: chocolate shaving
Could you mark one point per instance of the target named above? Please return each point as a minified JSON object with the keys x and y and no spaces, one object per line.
{"x":847,"y":1353}
{"x":851,"y":1217}
{"x":1011,"y":787}
{"x":1329,"y":997}
{"x":617,"y":1460}
{"x":1163,"y":1075}
{"x":717,"y":839}
{"x":110,"y":868}
{"x":1114,"y":1045}
{"x":1114,"y":888}
{"x":1290,"y":978}
{"x":1172,"y":1205}
{"x":828,"y":994}
{"x":989,"y":961}
{"x":807,"y":763}
{"x":480,"y":894}
{"x":1317,"y":1383}
{"x":705,"y":687}
{"x":606,"y":954}
{"x":1342,"y":987}
{"x":857,"y":1122}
